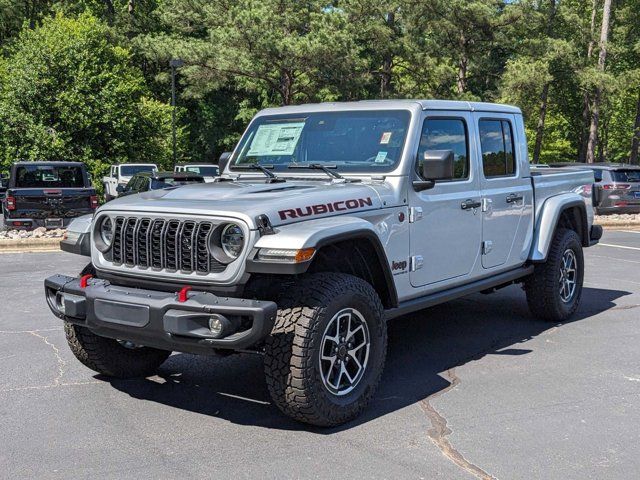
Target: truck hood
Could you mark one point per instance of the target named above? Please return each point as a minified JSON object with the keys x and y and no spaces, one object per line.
{"x":286,"y":202}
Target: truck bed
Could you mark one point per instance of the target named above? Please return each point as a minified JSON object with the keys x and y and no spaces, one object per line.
{"x":548,"y":182}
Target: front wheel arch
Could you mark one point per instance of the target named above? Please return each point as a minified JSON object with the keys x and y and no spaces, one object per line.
{"x":359,"y":254}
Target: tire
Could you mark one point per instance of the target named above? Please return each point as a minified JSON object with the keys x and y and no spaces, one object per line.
{"x":316,"y":391}
{"x":109,"y":357}
{"x":547,"y":298}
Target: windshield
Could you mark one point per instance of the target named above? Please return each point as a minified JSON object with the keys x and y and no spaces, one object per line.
{"x":48,"y":176}
{"x":203,"y":170}
{"x":351,"y":141}
{"x":131,"y":170}
{"x":626,"y":175}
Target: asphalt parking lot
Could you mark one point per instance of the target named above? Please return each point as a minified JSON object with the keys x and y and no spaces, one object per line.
{"x":475,"y":387}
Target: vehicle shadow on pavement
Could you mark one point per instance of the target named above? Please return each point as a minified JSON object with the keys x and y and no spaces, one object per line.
{"x":422,"y":346}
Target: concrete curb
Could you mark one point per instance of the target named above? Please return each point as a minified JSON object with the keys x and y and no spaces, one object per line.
{"x":609,"y":225}
{"x":20,"y":245}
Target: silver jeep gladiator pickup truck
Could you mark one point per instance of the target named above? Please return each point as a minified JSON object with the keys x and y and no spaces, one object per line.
{"x":328,"y":220}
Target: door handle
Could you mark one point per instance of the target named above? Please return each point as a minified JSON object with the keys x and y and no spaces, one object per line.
{"x":512,"y":198}
{"x":469,"y":204}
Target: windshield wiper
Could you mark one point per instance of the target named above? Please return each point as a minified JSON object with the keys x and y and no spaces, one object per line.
{"x":324,"y":168}
{"x":271,"y":177}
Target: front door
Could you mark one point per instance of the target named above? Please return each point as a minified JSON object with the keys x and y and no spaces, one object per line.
{"x":445,"y":225}
{"x":507,"y":200}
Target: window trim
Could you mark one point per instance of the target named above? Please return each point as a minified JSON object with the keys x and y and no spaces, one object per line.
{"x":469,"y":176}
{"x":516,"y":171}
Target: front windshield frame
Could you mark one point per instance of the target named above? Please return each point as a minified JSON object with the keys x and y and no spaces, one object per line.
{"x":366,"y":166}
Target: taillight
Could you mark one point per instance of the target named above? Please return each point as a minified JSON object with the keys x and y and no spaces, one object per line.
{"x":616,"y":186}
{"x":94,"y":201}
{"x":11,"y":203}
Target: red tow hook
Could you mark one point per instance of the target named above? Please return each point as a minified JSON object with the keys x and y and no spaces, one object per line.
{"x":183,"y":294}
{"x":84,"y":279}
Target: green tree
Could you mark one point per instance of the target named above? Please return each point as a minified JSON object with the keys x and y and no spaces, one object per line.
{"x":278,"y":52}
{"x":68,"y":93}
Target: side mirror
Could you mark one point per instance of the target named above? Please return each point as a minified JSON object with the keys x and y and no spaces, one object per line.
{"x":223,"y":161}
{"x":120,"y":189}
{"x":436,"y":165}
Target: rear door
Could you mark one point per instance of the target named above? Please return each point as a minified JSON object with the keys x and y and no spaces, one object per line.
{"x":507,"y":194}
{"x":445,"y":236}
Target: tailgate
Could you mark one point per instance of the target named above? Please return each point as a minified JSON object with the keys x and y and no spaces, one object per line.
{"x":54,"y":202}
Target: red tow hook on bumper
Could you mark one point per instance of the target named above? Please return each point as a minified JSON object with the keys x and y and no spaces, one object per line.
{"x":84,"y":279}
{"x":183,"y":294}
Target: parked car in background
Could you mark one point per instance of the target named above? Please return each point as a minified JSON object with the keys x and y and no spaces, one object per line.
{"x":121,"y":174}
{"x":144,"y":182}
{"x":206,"y":170}
{"x":47,"y":194}
{"x":616,"y":187}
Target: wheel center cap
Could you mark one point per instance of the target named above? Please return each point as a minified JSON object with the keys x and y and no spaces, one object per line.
{"x":342,"y":351}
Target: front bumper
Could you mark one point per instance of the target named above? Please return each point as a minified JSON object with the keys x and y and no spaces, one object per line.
{"x":158,"y":319}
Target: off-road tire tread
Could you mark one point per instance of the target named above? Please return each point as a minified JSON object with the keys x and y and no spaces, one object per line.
{"x":290,"y":369}
{"x":542,"y":287}
{"x":107,"y":357}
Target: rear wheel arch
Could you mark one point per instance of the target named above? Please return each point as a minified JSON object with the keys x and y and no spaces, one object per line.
{"x":574,"y":217}
{"x":558,"y":213}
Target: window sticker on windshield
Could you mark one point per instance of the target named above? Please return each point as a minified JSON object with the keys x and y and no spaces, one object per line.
{"x":381,"y":157}
{"x":386,"y":137}
{"x":275,"y":139}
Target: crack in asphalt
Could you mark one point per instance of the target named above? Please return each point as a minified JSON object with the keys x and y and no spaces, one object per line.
{"x":61,"y":363}
{"x":439,"y":431}
{"x":625,"y":307}
{"x":57,"y":381}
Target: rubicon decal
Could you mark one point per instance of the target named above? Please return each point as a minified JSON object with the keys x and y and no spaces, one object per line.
{"x":321,"y":208}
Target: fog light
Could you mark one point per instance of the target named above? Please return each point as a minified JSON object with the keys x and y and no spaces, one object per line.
{"x":60,"y":303}
{"x":219,"y":326}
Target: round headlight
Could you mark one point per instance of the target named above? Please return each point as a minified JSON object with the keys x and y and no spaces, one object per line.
{"x":232,"y":240}
{"x":106,"y":231}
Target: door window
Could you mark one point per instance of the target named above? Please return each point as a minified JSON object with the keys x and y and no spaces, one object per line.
{"x":446,"y":134}
{"x":496,"y":143}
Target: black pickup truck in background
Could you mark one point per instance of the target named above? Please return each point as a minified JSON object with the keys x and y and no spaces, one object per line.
{"x":47,"y":194}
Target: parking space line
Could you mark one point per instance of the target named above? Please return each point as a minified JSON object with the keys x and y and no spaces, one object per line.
{"x":617,"y":246}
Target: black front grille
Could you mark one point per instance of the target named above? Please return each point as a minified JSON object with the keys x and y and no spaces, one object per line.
{"x":164,"y":244}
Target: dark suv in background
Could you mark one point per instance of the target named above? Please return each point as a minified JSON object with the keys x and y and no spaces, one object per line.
{"x":146,"y":181}
{"x":616,"y":187}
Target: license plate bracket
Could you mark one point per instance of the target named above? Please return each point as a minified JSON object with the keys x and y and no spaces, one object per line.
{"x":53,"y":222}
{"x":129,"y":314}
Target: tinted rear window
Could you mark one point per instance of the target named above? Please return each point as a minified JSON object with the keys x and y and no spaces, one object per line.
{"x":203,"y":170}
{"x":625,"y":175}
{"x":47,"y":176}
{"x":131,"y":170}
